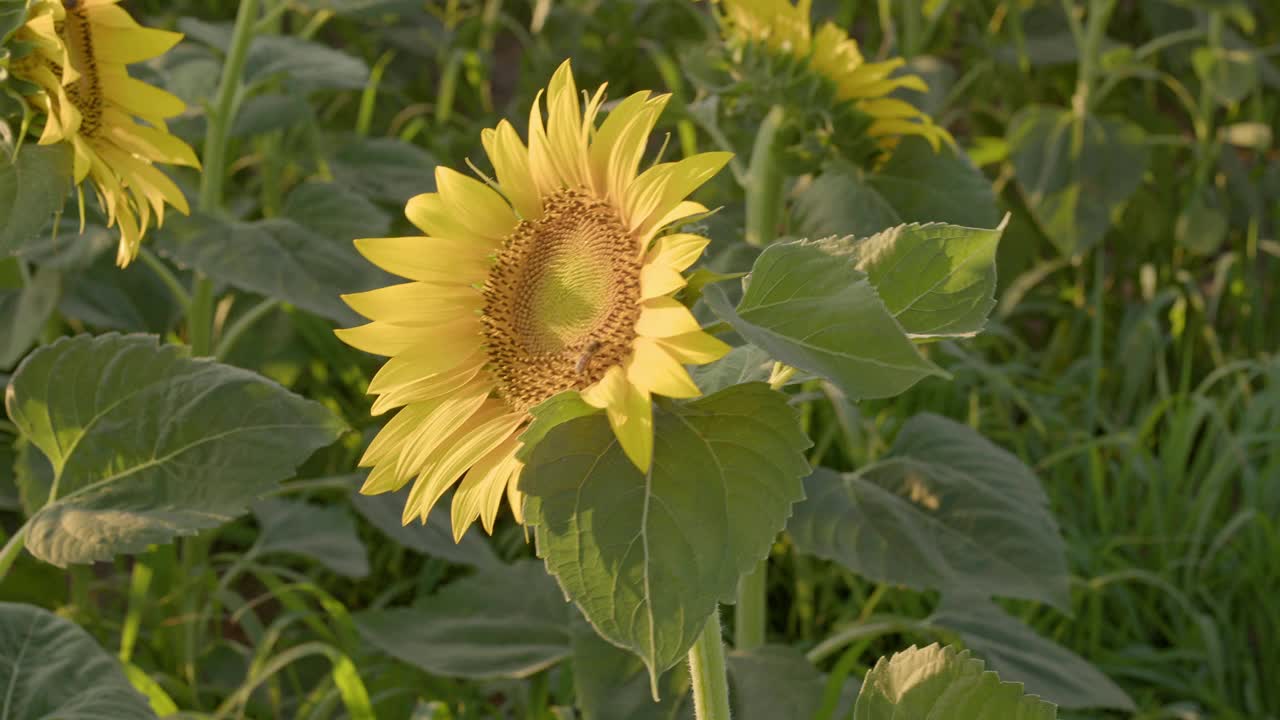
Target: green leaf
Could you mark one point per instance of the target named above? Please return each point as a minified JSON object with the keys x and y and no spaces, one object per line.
{"x":434,"y":537}
{"x":743,"y":364}
{"x":916,"y":185}
{"x":335,"y":212}
{"x":1075,"y":172}
{"x":940,"y":683}
{"x":510,"y":621}
{"x":612,"y":684}
{"x":809,"y":306}
{"x":303,"y":65}
{"x":1228,"y":75}
{"x":269,"y":112}
{"x":13,"y":14}
{"x":923,"y":185}
{"x":647,"y":556}
{"x":34,"y":476}
{"x":147,"y":443}
{"x":946,"y":509}
{"x":774,"y":682}
{"x":32,"y":190}
{"x":24,"y":312}
{"x":51,"y":668}
{"x":279,"y":258}
{"x":840,"y":202}
{"x":936,"y":280}
{"x":549,"y":414}
{"x":323,"y":533}
{"x":1018,"y":653}
{"x":384,"y":169}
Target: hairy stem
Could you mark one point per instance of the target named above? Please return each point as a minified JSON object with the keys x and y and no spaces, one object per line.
{"x":708,"y":672}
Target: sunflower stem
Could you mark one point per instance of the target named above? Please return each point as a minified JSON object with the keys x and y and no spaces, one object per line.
{"x":12,"y":550}
{"x":708,"y":673}
{"x":214,"y":165}
{"x":765,"y":180}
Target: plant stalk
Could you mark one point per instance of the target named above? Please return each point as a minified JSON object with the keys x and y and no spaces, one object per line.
{"x":708,"y":672}
{"x":12,"y":550}
{"x":751,"y":613}
{"x":214,"y":166}
{"x":765,"y":181}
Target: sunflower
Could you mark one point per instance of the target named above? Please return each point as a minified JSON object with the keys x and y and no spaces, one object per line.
{"x":784,"y":28}
{"x":557,"y":276}
{"x":80,"y":52}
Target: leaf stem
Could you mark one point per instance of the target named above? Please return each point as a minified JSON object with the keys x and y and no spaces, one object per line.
{"x":11,"y":550}
{"x":708,"y":672}
{"x":765,"y":181}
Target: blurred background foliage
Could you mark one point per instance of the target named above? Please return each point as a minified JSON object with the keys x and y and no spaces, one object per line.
{"x":1131,"y":361}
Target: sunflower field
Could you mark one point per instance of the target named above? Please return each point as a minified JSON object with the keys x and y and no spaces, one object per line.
{"x":640,"y":359}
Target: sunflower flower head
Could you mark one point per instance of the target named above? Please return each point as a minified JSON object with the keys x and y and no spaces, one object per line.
{"x":780,"y":28}
{"x":557,"y":276}
{"x":78,"y":63}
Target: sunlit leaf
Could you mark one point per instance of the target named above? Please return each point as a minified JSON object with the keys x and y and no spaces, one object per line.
{"x":648,"y":555}
{"x":147,"y":444}
{"x":809,"y":306}
{"x":941,"y":683}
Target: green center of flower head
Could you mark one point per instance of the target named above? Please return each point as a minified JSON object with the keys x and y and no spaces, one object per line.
{"x":562,"y":300}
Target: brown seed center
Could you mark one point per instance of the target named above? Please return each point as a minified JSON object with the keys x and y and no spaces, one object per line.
{"x":562,"y":300}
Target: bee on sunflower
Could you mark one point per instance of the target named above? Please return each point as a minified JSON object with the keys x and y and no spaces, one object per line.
{"x":75,"y":57}
{"x":778,"y":54}
{"x":555,"y":277}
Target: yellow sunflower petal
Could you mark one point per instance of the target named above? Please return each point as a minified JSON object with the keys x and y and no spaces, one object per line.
{"x":434,"y":215}
{"x":655,"y":371}
{"x":510,"y":160}
{"x":475,"y":204}
{"x":416,"y":301}
{"x":658,"y":279}
{"x":381,"y":338}
{"x":695,"y":348}
{"x":665,"y":317}
{"x":441,"y":262}
{"x":677,"y":251}
{"x":448,"y":416}
{"x":425,"y":360}
{"x":479,"y":495}
{"x":466,"y":447}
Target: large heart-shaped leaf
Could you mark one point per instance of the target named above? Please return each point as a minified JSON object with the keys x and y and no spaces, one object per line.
{"x":1018,"y":653}
{"x":279,"y":258}
{"x":648,"y":555}
{"x":51,"y":668}
{"x":1075,"y":171}
{"x":809,"y":306}
{"x":33,"y":187}
{"x":941,"y":683}
{"x":434,"y":537}
{"x":323,"y":533}
{"x":303,"y":64}
{"x":924,"y":185}
{"x":508,"y":621}
{"x":612,"y":684}
{"x":946,"y":509}
{"x":146,"y":443}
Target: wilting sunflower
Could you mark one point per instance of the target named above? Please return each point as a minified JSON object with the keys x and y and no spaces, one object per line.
{"x":89,"y":101}
{"x":558,"y":278}
{"x":784,"y":28}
